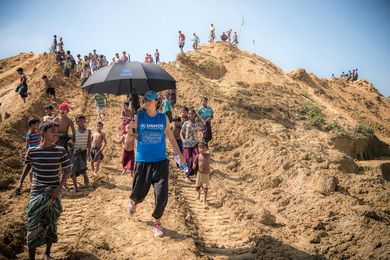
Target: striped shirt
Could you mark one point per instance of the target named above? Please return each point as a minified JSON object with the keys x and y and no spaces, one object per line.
{"x":81,"y":139}
{"x":46,"y":162}
{"x":33,"y":138}
{"x":100,"y":100}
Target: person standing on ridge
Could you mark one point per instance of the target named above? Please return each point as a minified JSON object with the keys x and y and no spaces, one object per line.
{"x":157,"y":56}
{"x":212,"y":33}
{"x":196,"y":41}
{"x":182,"y":39}
{"x":53,"y":47}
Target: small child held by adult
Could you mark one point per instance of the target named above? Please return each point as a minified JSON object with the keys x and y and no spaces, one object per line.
{"x":49,"y":87}
{"x":128,"y":157}
{"x":98,"y":143}
{"x":81,"y":152}
{"x":202,"y":166}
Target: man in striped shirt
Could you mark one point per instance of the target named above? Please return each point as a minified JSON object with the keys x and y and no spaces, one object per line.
{"x":44,"y":206}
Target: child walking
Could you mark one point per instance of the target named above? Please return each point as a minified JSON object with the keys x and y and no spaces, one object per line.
{"x":49,"y":115}
{"x":33,"y":137}
{"x":44,"y":206}
{"x":101,"y":102}
{"x":176,"y":134}
{"x":22,"y":88}
{"x":128,"y":157}
{"x":81,"y":151}
{"x":126,"y":116}
{"x":98,"y":143}
{"x":202,"y":165}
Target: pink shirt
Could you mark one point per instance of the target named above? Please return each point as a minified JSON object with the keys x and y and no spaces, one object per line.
{"x":182,"y":37}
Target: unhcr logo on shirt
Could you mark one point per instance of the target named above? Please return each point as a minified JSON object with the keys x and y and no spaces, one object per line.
{"x":125,"y":73}
{"x":151,"y":126}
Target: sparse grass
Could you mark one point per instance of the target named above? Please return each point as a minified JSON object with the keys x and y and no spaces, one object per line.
{"x":207,"y":64}
{"x":365,"y":129}
{"x":335,"y":126}
{"x":314,"y":115}
{"x":305,"y":94}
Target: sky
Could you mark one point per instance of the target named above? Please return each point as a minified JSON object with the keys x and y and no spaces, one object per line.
{"x":324,"y":37}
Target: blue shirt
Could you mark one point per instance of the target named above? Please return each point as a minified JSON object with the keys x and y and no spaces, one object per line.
{"x":205,"y":112}
{"x":151,"y":145}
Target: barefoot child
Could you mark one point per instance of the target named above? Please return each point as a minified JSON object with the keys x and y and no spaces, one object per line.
{"x":45,"y":161}
{"x":64,"y":123}
{"x":81,"y":151}
{"x":176,"y":134}
{"x":127,"y":140}
{"x":33,"y":137}
{"x":126,"y":116}
{"x":101,"y":102}
{"x":49,"y":87}
{"x":22,"y":89}
{"x":49,"y":115}
{"x":202,"y":164}
{"x":98,"y":143}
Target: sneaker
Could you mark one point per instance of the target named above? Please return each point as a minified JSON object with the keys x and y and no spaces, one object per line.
{"x":131,"y":208}
{"x":157,"y":231}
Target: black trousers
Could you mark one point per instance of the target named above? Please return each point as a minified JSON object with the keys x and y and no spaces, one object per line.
{"x":147,"y":174}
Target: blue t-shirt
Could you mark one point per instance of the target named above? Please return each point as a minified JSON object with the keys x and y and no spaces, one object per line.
{"x":151,"y":145}
{"x":205,"y":112}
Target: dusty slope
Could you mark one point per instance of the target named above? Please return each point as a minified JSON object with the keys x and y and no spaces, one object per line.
{"x":94,"y":224}
{"x":266,"y":156}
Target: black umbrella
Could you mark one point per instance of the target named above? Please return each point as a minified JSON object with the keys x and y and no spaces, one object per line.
{"x":128,"y":78}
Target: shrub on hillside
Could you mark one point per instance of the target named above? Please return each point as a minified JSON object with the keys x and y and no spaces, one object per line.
{"x":365,"y":129}
{"x":313,"y":115}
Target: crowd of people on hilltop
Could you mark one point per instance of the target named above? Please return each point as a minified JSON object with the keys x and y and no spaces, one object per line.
{"x":350,"y":76}
{"x":58,"y":146}
{"x":225,"y":37}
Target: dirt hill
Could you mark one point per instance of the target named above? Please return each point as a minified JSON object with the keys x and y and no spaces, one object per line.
{"x":300,"y":167}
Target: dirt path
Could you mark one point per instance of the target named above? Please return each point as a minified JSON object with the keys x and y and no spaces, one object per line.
{"x":220,"y":236}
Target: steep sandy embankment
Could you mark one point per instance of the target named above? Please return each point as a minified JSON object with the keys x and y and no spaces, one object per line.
{"x":296,"y":172}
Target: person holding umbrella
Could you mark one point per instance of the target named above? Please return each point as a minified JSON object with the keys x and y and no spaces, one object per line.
{"x":152,"y":165}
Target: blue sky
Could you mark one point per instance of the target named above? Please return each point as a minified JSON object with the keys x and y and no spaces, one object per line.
{"x":324,"y":37}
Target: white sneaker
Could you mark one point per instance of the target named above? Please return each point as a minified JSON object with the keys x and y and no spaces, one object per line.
{"x":131,"y":208}
{"x":157,"y":231}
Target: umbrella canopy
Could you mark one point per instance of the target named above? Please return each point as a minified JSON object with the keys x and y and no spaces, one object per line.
{"x":125,"y":78}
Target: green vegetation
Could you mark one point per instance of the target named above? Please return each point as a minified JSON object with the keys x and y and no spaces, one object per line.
{"x":207,"y":64}
{"x":305,"y":94}
{"x":365,"y":129}
{"x":313,"y":115}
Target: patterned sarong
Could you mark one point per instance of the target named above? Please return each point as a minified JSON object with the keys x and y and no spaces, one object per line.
{"x":207,"y":134}
{"x":42,"y":218}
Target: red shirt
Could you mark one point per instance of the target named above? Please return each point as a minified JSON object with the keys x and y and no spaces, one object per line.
{"x":182,"y":37}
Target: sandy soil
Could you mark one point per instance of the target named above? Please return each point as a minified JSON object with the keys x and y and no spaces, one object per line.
{"x":282,"y":187}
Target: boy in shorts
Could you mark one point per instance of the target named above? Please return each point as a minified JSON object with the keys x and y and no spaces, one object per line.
{"x":202,"y":164}
{"x":22,"y":89}
{"x":98,"y":143}
{"x":101,"y":102}
{"x":128,"y":157}
{"x":49,"y":87}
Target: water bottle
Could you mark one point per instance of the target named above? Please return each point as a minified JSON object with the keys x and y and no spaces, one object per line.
{"x":184,"y":167}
